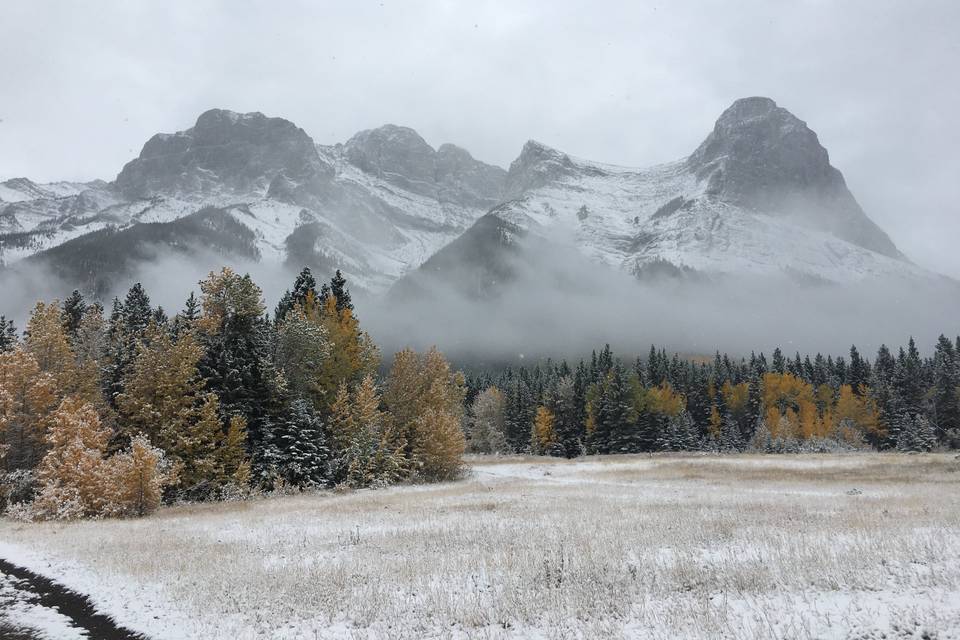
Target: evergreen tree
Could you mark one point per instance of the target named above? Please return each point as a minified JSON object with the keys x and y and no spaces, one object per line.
{"x":915,"y":433}
{"x":519,"y":412}
{"x":339,"y":290}
{"x":235,"y":338}
{"x":611,"y":415}
{"x":304,"y":285}
{"x":486,"y":423}
{"x":8,"y":335}
{"x":858,"y":373}
{"x":908,"y":392}
{"x":779,"y":363}
{"x":568,"y":425}
{"x":296,"y":448}
{"x":946,"y":386}
{"x":882,"y":391}
{"x":73,"y":309}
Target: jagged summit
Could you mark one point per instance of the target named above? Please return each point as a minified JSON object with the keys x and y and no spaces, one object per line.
{"x":536,"y":166}
{"x":223,"y":151}
{"x":758,"y":196}
{"x":762,"y":157}
{"x":402,"y":157}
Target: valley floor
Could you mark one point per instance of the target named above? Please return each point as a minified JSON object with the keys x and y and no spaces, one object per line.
{"x":857,"y":546}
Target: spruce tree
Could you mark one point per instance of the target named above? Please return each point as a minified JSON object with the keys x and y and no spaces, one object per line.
{"x":946,"y":373}
{"x":915,"y":433}
{"x":8,"y":335}
{"x":779,"y":363}
{"x":908,"y":392}
{"x":338,"y":289}
{"x":73,"y":309}
{"x":562,"y":402}
{"x":858,"y":373}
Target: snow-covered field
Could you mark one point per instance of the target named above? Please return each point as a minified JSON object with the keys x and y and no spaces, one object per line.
{"x":859,"y":546}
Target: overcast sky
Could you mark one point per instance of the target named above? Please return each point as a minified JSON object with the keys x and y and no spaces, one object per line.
{"x":83,"y":85}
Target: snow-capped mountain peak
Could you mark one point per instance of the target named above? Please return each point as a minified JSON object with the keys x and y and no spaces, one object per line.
{"x":758,"y":197}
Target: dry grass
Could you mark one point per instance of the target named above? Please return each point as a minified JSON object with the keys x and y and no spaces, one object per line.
{"x":659,"y":546}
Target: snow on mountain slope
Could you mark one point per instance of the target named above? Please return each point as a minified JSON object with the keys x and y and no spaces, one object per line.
{"x":376,"y":207}
{"x":758,"y":197}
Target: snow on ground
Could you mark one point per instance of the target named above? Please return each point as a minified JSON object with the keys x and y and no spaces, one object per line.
{"x":619,"y":547}
{"x":19,"y":611}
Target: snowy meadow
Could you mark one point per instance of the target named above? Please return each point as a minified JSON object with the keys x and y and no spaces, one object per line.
{"x":663,"y":546}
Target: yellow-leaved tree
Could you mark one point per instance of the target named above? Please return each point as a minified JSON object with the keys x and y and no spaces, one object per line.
{"x":27,"y":398}
{"x":351,"y":352}
{"x":543,"y":436}
{"x":78,"y":480}
{"x":424,"y":401}
{"x":366,"y":450}
{"x":162,"y":390}
{"x":47,"y":341}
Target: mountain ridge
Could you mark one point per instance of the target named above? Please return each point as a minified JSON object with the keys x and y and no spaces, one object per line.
{"x":384,"y":202}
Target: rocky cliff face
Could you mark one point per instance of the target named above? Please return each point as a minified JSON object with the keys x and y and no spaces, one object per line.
{"x":223,"y":152}
{"x":399,"y":155}
{"x":762,"y":157}
{"x":375,"y":207}
{"x":758,"y":197}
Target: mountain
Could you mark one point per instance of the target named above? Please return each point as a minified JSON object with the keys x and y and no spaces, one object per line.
{"x":758,"y":197}
{"x":376,"y":206}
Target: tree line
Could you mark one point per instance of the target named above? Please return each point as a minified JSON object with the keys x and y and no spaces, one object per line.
{"x":668,"y":403}
{"x":109,"y":414}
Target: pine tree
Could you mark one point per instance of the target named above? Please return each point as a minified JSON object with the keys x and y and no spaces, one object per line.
{"x":8,"y":335}
{"x":611,"y":414}
{"x":915,"y":433}
{"x":302,"y":348}
{"x":235,"y":339}
{"x":946,"y":384}
{"x":338,"y":289}
{"x":297,"y":448}
{"x":779,"y":363}
{"x":519,"y":409}
{"x":881,"y":391}
{"x":730,"y":437}
{"x":568,"y":424}
{"x":907,"y":388}
{"x":858,"y":373}
{"x":304,"y":285}
{"x":486,"y":423}
{"x":125,"y":329}
{"x":74,"y":308}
